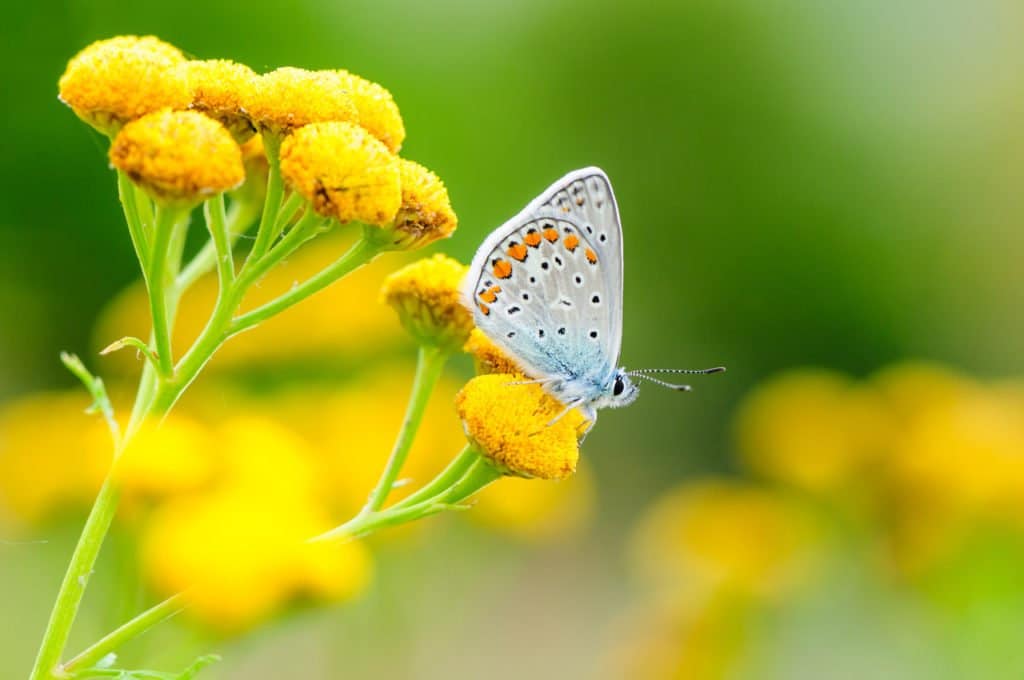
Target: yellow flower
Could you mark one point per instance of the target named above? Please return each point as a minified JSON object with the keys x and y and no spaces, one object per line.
{"x":813,"y":429}
{"x":426,"y":296}
{"x":221,"y":89}
{"x":179,"y":157}
{"x":512,"y":426}
{"x":343,"y":171}
{"x":426,"y":214}
{"x":288,"y":98}
{"x":488,"y":357}
{"x":723,"y":534}
{"x":241,"y":546}
{"x":378,"y":112}
{"x":113,"y":81}
{"x":166,"y":458}
{"x":52,"y":455}
{"x":537,"y":512}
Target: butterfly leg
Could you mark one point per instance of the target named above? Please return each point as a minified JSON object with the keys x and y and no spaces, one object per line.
{"x":568,"y":407}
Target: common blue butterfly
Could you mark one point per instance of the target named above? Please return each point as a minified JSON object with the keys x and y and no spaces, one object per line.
{"x":546,"y":287}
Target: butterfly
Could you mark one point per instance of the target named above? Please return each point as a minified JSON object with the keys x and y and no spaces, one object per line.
{"x":546,"y":287}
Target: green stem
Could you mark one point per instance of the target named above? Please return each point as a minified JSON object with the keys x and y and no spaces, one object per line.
{"x":475,"y":477}
{"x":429,"y":364}
{"x":359,"y":254}
{"x":451,"y":474}
{"x":129,"y":204}
{"x":272,"y":204}
{"x":239,"y":219}
{"x":160,"y":275}
{"x":69,"y":598}
{"x":216,"y":223}
{"x":133,"y":628}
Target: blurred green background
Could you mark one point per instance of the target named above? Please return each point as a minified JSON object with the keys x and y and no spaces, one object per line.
{"x":826,"y":184}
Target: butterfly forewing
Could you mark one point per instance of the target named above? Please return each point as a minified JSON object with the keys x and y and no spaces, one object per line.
{"x":546,"y":285}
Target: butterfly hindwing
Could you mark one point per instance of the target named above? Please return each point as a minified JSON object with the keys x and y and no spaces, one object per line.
{"x":547,"y":287}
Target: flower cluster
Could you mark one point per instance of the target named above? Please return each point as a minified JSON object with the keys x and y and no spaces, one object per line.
{"x":337,"y":134}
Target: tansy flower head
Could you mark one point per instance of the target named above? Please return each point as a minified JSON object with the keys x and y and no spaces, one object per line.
{"x":426,"y":296}
{"x":289,"y":98}
{"x":488,"y":357}
{"x":178,"y":157}
{"x":113,"y":81}
{"x":512,"y":426}
{"x":343,"y":171}
{"x":378,"y":112}
{"x":221,"y":89}
{"x":426,"y":214}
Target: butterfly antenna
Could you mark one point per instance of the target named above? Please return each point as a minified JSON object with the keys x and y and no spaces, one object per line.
{"x":671,"y":386}
{"x":692,"y":371}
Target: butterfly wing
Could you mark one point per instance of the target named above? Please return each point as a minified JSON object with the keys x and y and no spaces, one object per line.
{"x":546,"y":286}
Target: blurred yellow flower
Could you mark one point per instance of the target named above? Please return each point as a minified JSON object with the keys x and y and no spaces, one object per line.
{"x":53,"y":455}
{"x":428,"y":301}
{"x":221,"y":89}
{"x":488,"y":357}
{"x":512,"y":426}
{"x":345,"y":173}
{"x":697,"y":642}
{"x":814,"y":429}
{"x":288,"y":98}
{"x":720,"y":534}
{"x":257,"y":168}
{"x":426,"y":214}
{"x":166,"y":458}
{"x":378,"y":112}
{"x":537,"y":512}
{"x":113,"y":81}
{"x":240,"y":547}
{"x":345,"y":321}
{"x":178,"y":156}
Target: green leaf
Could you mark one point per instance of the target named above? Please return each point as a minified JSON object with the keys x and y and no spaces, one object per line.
{"x":123,"y":674}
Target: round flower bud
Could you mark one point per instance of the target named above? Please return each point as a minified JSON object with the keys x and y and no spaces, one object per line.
{"x":343,"y":171}
{"x":378,"y":112}
{"x":288,"y":98}
{"x":426,"y":214}
{"x":178,"y":157}
{"x":514,"y":426}
{"x":221,"y":89}
{"x":113,"y":81}
{"x":426,"y":296}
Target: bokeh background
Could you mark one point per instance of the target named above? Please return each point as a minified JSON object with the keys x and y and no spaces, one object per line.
{"x":824,"y":196}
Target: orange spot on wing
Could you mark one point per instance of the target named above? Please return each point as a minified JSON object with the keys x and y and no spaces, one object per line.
{"x":491,"y":294}
{"x":551,"y":235}
{"x":502,"y":269}
{"x":571,"y":241}
{"x":518,"y":251}
{"x":591,"y":256}
{"x":532,"y":238}
{"x":485,"y":309}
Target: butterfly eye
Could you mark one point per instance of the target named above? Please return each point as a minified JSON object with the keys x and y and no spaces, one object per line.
{"x":619,"y":387}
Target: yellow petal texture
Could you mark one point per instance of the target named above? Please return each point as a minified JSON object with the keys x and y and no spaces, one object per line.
{"x":427,"y":298}
{"x":180,"y":157}
{"x":288,"y":98}
{"x":345,"y":172}
{"x":378,"y":112}
{"x":426,"y":214}
{"x":511,"y":425}
{"x":113,"y":81}
{"x":222,"y":89}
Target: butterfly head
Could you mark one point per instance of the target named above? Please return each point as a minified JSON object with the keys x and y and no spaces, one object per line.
{"x":619,"y":391}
